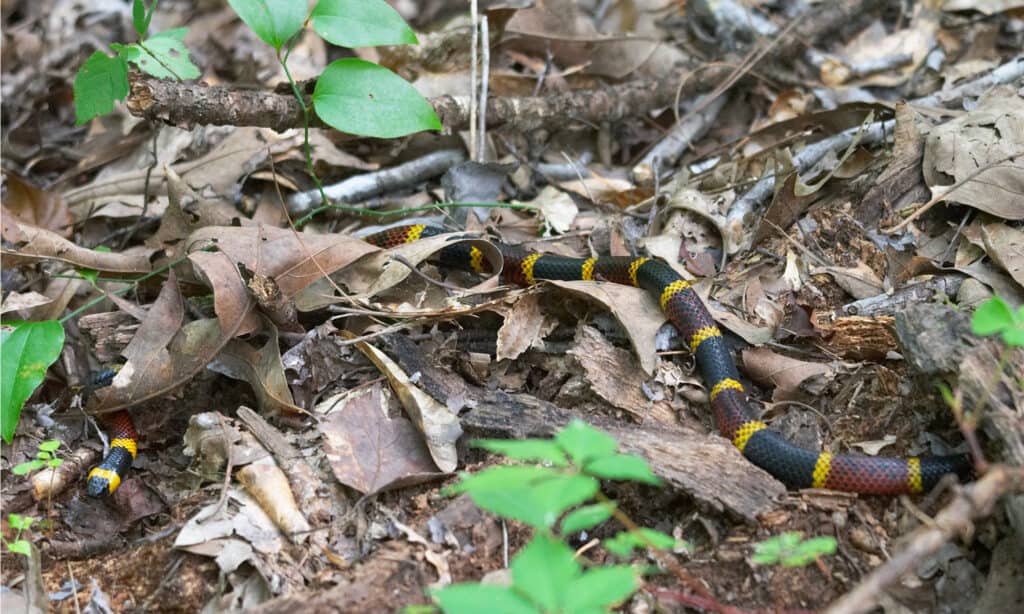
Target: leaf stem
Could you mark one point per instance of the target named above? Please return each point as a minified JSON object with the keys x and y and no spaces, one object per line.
{"x":307,"y":150}
{"x":132,"y":284}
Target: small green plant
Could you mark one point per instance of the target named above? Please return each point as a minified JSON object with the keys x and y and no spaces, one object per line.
{"x":20,"y":524}
{"x":995,"y":317}
{"x":27,"y":349}
{"x":555,"y":499}
{"x":103,"y":79}
{"x":45,"y":457}
{"x":351,"y":95}
{"x":791,"y":550}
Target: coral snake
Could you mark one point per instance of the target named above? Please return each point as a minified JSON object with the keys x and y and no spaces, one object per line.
{"x":734,"y":416}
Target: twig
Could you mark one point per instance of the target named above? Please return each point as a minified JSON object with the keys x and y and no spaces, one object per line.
{"x":474,"y":17}
{"x":361,"y":187}
{"x":664,"y":155}
{"x":485,"y":75}
{"x":972,"y":502}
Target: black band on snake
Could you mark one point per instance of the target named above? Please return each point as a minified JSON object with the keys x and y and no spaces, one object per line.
{"x":734,"y":415}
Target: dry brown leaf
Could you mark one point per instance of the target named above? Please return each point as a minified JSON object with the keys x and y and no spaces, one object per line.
{"x":524,"y":325}
{"x":263,"y":370}
{"x":876,"y":43}
{"x":187,"y":212}
{"x":859,"y":281}
{"x":16,"y":301}
{"x":269,"y":486}
{"x":369,"y":451}
{"x":163,"y":320}
{"x":36,"y":207}
{"x":557,"y":208}
{"x":32,"y":243}
{"x":231,"y":300}
{"x":634,"y":308}
{"x":153,"y":370}
{"x":957,"y":150}
{"x":988,"y":7}
{"x":561,"y":27}
{"x":282,"y":253}
{"x":784,"y":373}
{"x":1006,"y":247}
{"x":440,"y":427}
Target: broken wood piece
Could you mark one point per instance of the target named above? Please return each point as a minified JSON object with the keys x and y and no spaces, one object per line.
{"x":706,"y":467}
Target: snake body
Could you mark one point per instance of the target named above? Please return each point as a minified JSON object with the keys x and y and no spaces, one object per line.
{"x":734,"y":416}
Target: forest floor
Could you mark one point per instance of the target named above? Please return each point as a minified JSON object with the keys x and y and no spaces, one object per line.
{"x":842,"y":182}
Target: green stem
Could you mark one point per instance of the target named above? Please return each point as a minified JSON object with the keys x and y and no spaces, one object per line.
{"x":132,"y":284}
{"x":363,"y":210}
{"x":305,"y":125}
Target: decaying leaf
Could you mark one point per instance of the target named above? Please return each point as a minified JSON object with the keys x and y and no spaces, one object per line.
{"x":369,"y":451}
{"x":991,"y":135}
{"x":1006,"y":247}
{"x":524,"y":325}
{"x":263,"y":370}
{"x":35,"y":206}
{"x":439,"y":425}
{"x":31,"y":244}
{"x":786,"y":374}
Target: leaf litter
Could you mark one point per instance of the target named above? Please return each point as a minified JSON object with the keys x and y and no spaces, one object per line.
{"x":337,"y":479}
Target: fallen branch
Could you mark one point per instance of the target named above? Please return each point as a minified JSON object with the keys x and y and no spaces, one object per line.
{"x":188,"y":104}
{"x":972,"y":502}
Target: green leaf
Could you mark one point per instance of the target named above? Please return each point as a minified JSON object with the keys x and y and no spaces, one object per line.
{"x":55,"y":462}
{"x":274,"y":21}
{"x":19,"y":522}
{"x":28,"y":349}
{"x":543,"y":569}
{"x":525,"y":450}
{"x":361,"y":23}
{"x":360,"y":97}
{"x":139,"y":18}
{"x":27,"y":467}
{"x":806,"y":552}
{"x":50,"y":445}
{"x":534,"y":495}
{"x":771,"y":550}
{"x":20,"y":547}
{"x":991,"y":317}
{"x":622,"y":467}
{"x":497,"y":478}
{"x":474,"y":598}
{"x":625,"y":542}
{"x":1014,"y":337}
{"x":586,"y":517}
{"x":163,"y":55}
{"x":600,"y":589}
{"x":584,"y":443}
{"x":99,"y":82}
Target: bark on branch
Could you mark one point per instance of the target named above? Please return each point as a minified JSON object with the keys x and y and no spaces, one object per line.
{"x":188,"y":104}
